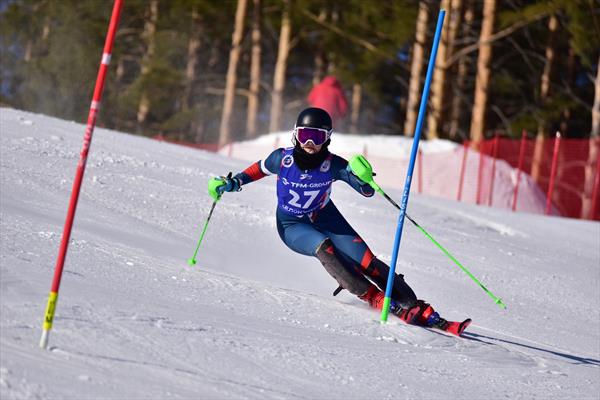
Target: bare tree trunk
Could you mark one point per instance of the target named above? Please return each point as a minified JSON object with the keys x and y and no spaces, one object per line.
{"x":593,"y":153}
{"x":280,"y":69}
{"x":46,"y":29}
{"x":596,"y":106}
{"x":483,"y":73}
{"x":356,"y":100}
{"x":319,"y":70}
{"x":453,"y":25}
{"x":120,"y":70}
{"x":234,"y":56}
{"x":544,"y":95}
{"x":331,"y":58}
{"x":439,"y":76}
{"x":28,"y":50}
{"x":416,"y":70}
{"x":149,"y":37}
{"x":38,"y":9}
{"x":461,"y":74}
{"x":550,"y":51}
{"x":193,"y":58}
{"x":319,"y":67}
{"x":254,"y":71}
{"x":570,"y":78}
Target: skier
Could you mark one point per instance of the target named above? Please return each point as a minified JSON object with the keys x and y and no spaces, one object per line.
{"x":309,"y":223}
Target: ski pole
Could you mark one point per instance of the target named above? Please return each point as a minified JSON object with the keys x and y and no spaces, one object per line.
{"x":365,"y":172}
{"x":192,"y":261}
{"x":451,"y":257}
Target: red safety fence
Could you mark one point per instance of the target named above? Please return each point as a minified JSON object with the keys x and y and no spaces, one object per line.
{"x":502,"y":174}
{"x":566,"y":171}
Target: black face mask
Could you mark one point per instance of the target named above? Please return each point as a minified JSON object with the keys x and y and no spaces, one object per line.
{"x":307,"y":161}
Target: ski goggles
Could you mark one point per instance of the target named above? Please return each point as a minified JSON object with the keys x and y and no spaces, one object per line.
{"x":316,"y":135}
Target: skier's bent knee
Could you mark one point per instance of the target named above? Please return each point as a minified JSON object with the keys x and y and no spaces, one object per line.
{"x":354,"y":283}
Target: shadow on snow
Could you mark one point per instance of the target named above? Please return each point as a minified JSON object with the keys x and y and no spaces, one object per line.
{"x":578,"y":360}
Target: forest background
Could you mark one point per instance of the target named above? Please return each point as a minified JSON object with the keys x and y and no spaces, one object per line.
{"x":213,"y":71}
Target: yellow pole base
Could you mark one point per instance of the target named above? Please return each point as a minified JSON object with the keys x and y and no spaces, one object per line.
{"x":49,"y":317}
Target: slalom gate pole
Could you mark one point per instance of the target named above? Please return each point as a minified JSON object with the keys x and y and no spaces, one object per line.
{"x":192,"y":261}
{"x":479,"y":173}
{"x":519,"y":169}
{"x":552,"y":173}
{"x":87,"y":140}
{"x":462,"y":170}
{"x":413,"y":155}
{"x":495,"y":156}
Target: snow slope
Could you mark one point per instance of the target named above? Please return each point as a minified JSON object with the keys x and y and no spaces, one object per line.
{"x":253,"y":320}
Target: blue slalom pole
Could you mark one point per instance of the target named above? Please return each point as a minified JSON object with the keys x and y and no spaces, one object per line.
{"x":411,"y":166}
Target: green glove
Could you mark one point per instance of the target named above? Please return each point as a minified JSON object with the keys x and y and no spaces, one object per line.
{"x":360,"y":167}
{"x":216,"y":187}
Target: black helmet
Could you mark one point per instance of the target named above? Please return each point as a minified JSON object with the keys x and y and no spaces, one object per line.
{"x":315,"y":118}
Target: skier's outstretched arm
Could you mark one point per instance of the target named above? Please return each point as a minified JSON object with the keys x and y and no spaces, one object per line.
{"x":270,"y":165}
{"x":343,"y":172}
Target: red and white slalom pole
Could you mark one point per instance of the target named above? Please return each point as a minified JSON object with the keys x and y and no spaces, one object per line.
{"x":552,"y":173}
{"x":462,"y":170}
{"x":519,"y":169}
{"x":494,"y":157}
{"x":87,"y":139}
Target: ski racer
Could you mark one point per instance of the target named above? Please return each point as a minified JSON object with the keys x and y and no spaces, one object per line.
{"x":309,"y":223}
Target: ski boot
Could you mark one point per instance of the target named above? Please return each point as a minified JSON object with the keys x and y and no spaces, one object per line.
{"x":375,"y":298}
{"x":428,"y":317}
{"x":407,"y":315}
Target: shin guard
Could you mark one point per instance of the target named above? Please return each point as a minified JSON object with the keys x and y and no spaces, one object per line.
{"x":355,"y":283}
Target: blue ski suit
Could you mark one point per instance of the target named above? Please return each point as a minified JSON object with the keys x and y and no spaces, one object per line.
{"x":307,"y":217}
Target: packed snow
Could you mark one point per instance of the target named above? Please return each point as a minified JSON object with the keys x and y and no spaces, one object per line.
{"x":253,"y":320}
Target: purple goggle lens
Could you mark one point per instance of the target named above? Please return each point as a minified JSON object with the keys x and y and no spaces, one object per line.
{"x":316,"y":135}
